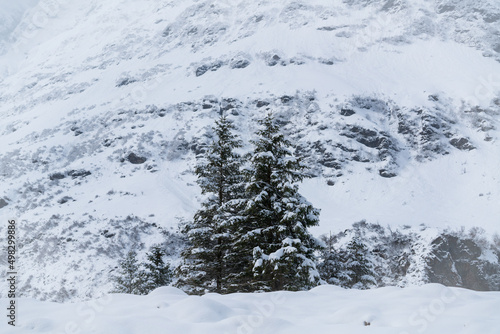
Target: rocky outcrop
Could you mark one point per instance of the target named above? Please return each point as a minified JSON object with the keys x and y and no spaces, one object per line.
{"x":135,"y":159}
{"x":404,"y":257}
{"x":460,"y":262}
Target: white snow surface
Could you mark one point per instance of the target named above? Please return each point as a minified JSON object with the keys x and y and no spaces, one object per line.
{"x":430,"y":309}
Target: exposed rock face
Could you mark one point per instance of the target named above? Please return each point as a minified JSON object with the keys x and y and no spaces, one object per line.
{"x":79,"y":173}
{"x":57,"y":176}
{"x":347,"y":112}
{"x":135,"y":159}
{"x":65,"y":199}
{"x":457,"y":262}
{"x":462,"y":144}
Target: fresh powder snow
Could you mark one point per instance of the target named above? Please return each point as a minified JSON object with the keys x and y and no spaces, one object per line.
{"x":430,"y":309}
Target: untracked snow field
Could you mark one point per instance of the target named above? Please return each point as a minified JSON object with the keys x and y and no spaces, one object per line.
{"x":431,"y":308}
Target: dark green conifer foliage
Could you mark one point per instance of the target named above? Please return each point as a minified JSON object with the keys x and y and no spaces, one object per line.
{"x":130,"y":277}
{"x":277,"y":217}
{"x":205,"y":266}
{"x":158,"y":273}
{"x":358,"y":271}
{"x":331,"y":262}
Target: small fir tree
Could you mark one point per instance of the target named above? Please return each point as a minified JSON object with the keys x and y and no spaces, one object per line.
{"x":157,"y":272}
{"x":205,"y":266}
{"x":358,"y":271}
{"x":331,"y":266}
{"x":277,"y":217}
{"x":131,"y":278}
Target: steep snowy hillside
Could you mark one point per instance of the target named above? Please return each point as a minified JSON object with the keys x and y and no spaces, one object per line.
{"x":104,"y":106}
{"x":11,"y":14}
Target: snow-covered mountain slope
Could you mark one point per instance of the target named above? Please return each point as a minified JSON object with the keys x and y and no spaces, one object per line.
{"x":11,"y":14}
{"x":105,"y":105}
{"x":327,"y":309}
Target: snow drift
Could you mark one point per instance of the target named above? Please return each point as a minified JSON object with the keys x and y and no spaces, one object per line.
{"x":327,"y":309}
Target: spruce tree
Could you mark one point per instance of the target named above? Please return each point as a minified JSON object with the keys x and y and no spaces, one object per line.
{"x":331,"y":262}
{"x":277,"y":217}
{"x":157,"y":272}
{"x":130,"y":277}
{"x":357,"y":270}
{"x":205,"y":266}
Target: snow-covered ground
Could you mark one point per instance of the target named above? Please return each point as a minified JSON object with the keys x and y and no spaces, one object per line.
{"x":430,"y":309}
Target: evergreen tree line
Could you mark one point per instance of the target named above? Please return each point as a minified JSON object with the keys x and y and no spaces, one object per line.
{"x":349,"y":267}
{"x":251,"y":233}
